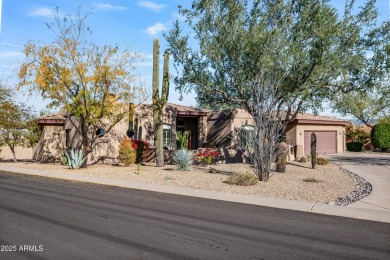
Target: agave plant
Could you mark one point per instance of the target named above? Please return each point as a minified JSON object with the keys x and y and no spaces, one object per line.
{"x":183,"y":160}
{"x":75,"y":158}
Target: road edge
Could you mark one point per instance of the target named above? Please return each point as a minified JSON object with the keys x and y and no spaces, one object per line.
{"x":311,"y":207}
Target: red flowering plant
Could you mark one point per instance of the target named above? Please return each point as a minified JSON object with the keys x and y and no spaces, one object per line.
{"x":141,"y":147}
{"x":212,"y":144}
{"x":206,"y":155}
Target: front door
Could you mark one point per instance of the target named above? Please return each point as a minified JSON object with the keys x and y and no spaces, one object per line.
{"x":189,"y":125}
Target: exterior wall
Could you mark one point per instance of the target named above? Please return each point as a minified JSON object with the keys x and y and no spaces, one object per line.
{"x":22,"y":153}
{"x":291,"y":136}
{"x":300,"y":130}
{"x":219,"y":125}
{"x":143,"y":123}
{"x":51,"y":146}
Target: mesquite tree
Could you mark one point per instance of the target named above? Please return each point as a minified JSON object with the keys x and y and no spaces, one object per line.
{"x":315,"y":51}
{"x":159,"y":102}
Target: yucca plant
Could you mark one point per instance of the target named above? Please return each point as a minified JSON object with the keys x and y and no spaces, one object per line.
{"x":183,"y":159}
{"x":75,"y":158}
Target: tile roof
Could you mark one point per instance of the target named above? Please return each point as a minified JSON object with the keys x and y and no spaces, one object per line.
{"x":307,"y":116}
{"x":52,"y":117}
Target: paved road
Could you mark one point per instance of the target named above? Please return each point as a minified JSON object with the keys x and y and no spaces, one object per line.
{"x":72,"y":220}
{"x":375,"y":168}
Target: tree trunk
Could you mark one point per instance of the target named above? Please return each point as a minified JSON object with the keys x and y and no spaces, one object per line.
{"x":84,"y":142}
{"x":13,"y":154}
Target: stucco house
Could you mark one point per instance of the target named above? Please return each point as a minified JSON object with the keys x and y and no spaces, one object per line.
{"x":203,"y":126}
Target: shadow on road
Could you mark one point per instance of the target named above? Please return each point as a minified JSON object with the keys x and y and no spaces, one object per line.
{"x":361,"y":158}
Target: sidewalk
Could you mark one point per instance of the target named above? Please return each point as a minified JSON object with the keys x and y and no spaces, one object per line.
{"x":320,"y":208}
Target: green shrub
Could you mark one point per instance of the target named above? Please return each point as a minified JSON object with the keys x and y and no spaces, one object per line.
{"x":380,"y":136}
{"x":355,"y":146}
{"x":242,"y":179}
{"x":183,"y":159}
{"x":127,"y":154}
{"x":64,"y":160}
{"x":322,"y":161}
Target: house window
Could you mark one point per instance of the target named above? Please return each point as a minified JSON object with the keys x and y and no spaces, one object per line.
{"x":247,"y":134}
{"x":67,"y":138}
{"x":167,"y":135}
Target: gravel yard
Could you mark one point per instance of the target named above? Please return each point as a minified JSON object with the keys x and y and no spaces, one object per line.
{"x":333,"y":182}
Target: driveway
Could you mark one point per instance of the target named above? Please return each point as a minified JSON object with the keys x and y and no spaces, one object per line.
{"x":375,"y":168}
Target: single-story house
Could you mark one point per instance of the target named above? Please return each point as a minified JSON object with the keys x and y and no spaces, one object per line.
{"x":203,"y":126}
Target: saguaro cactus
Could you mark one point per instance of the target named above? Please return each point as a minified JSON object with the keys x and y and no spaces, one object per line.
{"x":159,"y":102}
{"x":313,"y":150}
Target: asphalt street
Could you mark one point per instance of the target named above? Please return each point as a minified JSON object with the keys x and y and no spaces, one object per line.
{"x":43,"y":218}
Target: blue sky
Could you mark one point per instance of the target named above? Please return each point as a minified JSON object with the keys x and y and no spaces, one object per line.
{"x":119,"y":22}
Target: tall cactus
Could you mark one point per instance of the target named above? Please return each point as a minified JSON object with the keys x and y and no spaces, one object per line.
{"x":159,"y":102}
{"x":313,"y":150}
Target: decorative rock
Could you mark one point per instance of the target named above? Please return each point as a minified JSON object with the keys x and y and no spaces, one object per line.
{"x":363,"y":189}
{"x":303,"y":159}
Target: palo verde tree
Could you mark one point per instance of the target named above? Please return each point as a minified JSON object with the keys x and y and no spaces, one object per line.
{"x":312,"y":50}
{"x":159,"y":102}
{"x":93,"y":83}
{"x":17,"y":126}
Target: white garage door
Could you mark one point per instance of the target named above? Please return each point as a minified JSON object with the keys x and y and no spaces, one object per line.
{"x":326,"y":142}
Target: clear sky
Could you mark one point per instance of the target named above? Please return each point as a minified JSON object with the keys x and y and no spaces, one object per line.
{"x":118,"y":22}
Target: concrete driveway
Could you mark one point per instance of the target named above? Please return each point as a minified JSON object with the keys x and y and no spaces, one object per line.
{"x":373,"y":167}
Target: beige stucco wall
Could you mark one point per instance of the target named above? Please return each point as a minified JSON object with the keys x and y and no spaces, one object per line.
{"x":219,"y":125}
{"x":291,"y":136}
{"x":143,"y":123}
{"x":22,"y":153}
{"x":300,"y":133}
{"x":51,"y":145}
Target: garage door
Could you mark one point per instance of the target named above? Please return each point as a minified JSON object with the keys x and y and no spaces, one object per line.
{"x":326,"y":142}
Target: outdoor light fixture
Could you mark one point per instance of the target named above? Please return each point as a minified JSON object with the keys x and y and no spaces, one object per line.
{"x":130,"y":133}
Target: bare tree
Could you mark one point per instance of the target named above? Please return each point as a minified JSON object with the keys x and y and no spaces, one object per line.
{"x":269,"y":119}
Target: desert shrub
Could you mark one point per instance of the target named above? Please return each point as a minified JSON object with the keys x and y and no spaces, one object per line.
{"x":355,"y":146}
{"x":141,"y":147}
{"x":322,"y":161}
{"x":242,"y":179}
{"x":212,"y":144}
{"x":206,"y":156}
{"x":64,"y":160}
{"x":314,"y":180}
{"x":183,"y":159}
{"x":127,"y":153}
{"x":380,"y":136}
{"x":357,"y":134}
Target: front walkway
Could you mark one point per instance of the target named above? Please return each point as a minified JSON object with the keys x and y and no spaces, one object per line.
{"x":373,"y":167}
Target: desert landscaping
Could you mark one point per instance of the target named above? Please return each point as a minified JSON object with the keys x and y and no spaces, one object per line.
{"x":325,"y":184}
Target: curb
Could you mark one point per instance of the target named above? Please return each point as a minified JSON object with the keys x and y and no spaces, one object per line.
{"x":316,"y":207}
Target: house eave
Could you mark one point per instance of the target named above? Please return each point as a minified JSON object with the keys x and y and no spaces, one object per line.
{"x":192,"y":113}
{"x":51,"y":122}
{"x":320,"y":122}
